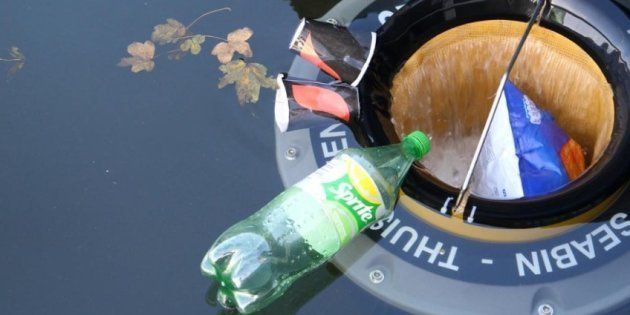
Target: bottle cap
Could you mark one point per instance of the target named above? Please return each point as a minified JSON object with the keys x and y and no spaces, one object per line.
{"x":417,"y":144}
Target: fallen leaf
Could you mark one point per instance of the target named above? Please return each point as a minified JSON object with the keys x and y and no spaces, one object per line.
{"x":141,"y":57}
{"x":18,"y":59}
{"x":248,"y":79}
{"x":236,"y":42}
{"x":193,"y":44}
{"x":16,"y":53}
{"x":167,"y":33}
{"x":144,"y":50}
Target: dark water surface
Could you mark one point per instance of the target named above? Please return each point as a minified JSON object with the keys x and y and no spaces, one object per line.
{"x":113,"y":184}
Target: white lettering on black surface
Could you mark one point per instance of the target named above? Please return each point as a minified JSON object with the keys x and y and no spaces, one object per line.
{"x":568,"y":255}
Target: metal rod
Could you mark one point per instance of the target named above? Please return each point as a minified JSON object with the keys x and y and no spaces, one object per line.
{"x":464,"y":193}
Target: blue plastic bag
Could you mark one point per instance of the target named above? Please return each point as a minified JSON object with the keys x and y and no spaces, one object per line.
{"x":526,"y":154}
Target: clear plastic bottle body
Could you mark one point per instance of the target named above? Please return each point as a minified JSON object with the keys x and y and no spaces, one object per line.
{"x":387,"y":166}
{"x":256,"y":260}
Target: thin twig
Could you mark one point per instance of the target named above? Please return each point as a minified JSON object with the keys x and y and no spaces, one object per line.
{"x":207,"y":36}
{"x":206,"y":14}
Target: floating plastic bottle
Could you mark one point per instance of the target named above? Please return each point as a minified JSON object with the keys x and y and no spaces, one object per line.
{"x":256,"y":260}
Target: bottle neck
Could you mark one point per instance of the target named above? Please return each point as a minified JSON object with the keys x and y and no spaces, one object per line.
{"x":392,"y":162}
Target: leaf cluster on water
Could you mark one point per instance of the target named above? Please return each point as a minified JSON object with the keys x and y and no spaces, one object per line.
{"x":248,"y":78}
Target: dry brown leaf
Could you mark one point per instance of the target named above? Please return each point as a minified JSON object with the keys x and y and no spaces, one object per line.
{"x":236,"y":42}
{"x":193,"y":44}
{"x":19,"y":59}
{"x":141,"y":57}
{"x":240,"y":35}
{"x":167,"y":33}
{"x":248,"y":79}
{"x":144,"y":50}
{"x":16,"y":53}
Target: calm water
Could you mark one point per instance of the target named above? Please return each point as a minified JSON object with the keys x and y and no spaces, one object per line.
{"x":113,"y":185}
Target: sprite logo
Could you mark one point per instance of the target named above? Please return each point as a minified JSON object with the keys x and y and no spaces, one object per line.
{"x":347,"y":196}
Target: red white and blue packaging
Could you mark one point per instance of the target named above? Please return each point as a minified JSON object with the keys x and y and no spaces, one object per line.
{"x":299,"y":102}
{"x":343,"y":54}
{"x":526,"y":154}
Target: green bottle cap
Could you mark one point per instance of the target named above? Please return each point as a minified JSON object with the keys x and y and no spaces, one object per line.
{"x":417,"y":144}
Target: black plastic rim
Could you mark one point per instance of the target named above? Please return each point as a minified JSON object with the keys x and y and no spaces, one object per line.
{"x":602,"y":37}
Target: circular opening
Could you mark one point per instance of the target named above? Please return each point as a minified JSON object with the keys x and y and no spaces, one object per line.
{"x":447,"y":86}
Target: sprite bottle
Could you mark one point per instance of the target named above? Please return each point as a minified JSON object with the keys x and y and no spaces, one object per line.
{"x":256,"y":260}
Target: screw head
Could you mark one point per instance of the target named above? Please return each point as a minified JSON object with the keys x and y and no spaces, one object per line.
{"x":377,"y":276}
{"x":545,"y":309}
{"x":332,"y":21}
{"x":291,"y":153}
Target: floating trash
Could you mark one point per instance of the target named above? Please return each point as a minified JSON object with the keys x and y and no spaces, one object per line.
{"x":342,"y":54}
{"x":256,"y":260}
{"x":525,"y":154}
{"x":296,"y":101}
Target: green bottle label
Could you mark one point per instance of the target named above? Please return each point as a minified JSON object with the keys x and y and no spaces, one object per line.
{"x":347,"y":195}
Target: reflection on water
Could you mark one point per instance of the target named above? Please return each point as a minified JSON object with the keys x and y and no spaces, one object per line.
{"x":301,"y":292}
